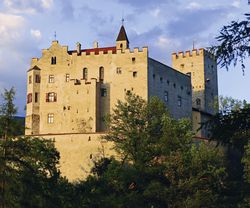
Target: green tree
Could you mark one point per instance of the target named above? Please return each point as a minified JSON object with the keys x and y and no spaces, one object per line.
{"x":234,"y":43}
{"x":157,"y":164}
{"x":29,"y":176}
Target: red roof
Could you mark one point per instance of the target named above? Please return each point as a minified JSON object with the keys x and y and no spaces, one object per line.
{"x":96,"y":50}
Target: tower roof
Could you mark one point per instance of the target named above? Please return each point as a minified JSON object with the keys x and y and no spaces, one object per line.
{"x":122,"y":35}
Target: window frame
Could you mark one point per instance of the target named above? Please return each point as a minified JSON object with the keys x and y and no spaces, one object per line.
{"x":51,"y":78}
{"x":50,"y":118}
{"x":67,"y":78}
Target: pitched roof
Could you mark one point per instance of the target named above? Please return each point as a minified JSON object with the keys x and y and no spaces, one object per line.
{"x":34,"y":68}
{"x":96,"y":50}
{"x":122,"y":35}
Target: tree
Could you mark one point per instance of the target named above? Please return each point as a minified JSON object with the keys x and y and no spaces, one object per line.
{"x":7,"y":113}
{"x":156,"y":165}
{"x":234,"y":43}
{"x":29,"y":176}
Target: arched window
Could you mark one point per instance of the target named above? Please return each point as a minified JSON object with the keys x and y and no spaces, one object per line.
{"x":121,"y":45}
{"x":85,"y":73}
{"x":101,"y":74}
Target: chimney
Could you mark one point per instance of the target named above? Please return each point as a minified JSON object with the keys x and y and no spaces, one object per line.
{"x":95,"y":44}
{"x":78,"y":48}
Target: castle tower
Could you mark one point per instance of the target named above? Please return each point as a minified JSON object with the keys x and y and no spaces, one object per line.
{"x":33,"y":99}
{"x":122,"y":41}
{"x":202,"y":67}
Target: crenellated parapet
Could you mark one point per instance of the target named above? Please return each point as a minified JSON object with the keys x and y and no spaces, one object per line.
{"x":192,"y":53}
{"x":108,"y":51}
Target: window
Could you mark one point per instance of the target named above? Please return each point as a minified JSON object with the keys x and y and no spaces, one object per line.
{"x":182,"y":66}
{"x":103,"y":92}
{"x":29,"y":98}
{"x":153,"y":76}
{"x":67,"y":78}
{"x":161,"y":79}
{"x":37,"y":78}
{"x":168,"y":82}
{"x":51,"y":78}
{"x":30,"y":79}
{"x":179,"y":101}
{"x":166,"y":96}
{"x":174,"y":85}
{"x":85,"y":73}
{"x":181,"y":87}
{"x":51,"y":97}
{"x":133,"y":60}
{"x":53,"y":60}
{"x":121,"y":45}
{"x":198,"y":101}
{"x":101,"y":74}
{"x":36,"y":97}
{"x":118,"y":70}
{"x":134,"y":74}
{"x":50,"y":118}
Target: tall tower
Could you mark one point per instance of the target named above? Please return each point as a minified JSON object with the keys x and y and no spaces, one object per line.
{"x":32,"y":119}
{"x":122,"y":41}
{"x":202,"y":67}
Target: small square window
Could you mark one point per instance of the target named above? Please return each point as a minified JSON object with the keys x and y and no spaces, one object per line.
{"x":51,"y":97}
{"x":103,"y":92}
{"x":50,"y":118}
{"x":133,"y":60}
{"x":51,"y":78}
{"x":134,"y":74}
{"x":30,"y":79}
{"x":53,"y":60}
{"x":179,"y":101}
{"x":67,"y":78}
{"x":37,"y":78}
{"x":118,"y":70}
{"x":182,"y":66}
{"x":36,"y":97}
{"x":29,"y":98}
{"x":166,"y":96}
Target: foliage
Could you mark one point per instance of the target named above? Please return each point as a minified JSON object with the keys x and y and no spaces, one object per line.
{"x":232,"y":129}
{"x":158,"y":165}
{"x":29,"y":176}
{"x":227,"y":104}
{"x":234,"y":43}
{"x":7,"y":113}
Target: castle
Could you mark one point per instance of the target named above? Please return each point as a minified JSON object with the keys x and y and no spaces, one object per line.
{"x":70,"y":91}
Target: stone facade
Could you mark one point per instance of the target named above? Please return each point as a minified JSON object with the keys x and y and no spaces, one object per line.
{"x":70,"y":91}
{"x":201,"y":66}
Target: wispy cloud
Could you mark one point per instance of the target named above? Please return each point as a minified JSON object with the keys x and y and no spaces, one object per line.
{"x":28,"y":6}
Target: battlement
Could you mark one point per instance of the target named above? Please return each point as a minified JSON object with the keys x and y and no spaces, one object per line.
{"x":194,"y":53}
{"x":108,"y":51}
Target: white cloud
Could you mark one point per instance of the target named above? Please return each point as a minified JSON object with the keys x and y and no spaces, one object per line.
{"x":36,"y":34}
{"x":193,"y":6}
{"x":27,"y":6}
{"x":155,"y":12}
{"x":165,"y":42}
{"x":47,"y":4}
{"x":236,"y":4}
{"x":10,"y":28}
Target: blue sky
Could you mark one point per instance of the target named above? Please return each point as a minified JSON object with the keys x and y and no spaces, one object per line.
{"x":165,"y":26}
